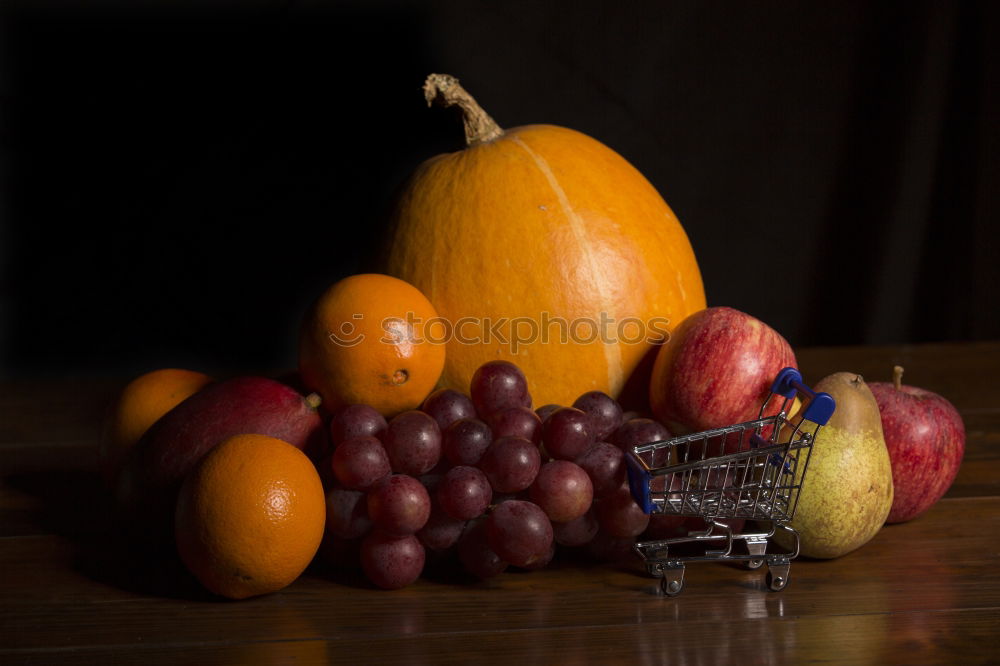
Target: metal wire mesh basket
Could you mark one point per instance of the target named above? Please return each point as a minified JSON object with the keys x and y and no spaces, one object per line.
{"x":752,"y":471}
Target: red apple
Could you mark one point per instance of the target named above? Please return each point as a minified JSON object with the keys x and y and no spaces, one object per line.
{"x":926,"y":440}
{"x":148,"y":484}
{"x":716,"y":370}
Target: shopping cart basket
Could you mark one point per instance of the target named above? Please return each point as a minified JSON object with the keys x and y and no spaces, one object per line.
{"x":751,"y":470}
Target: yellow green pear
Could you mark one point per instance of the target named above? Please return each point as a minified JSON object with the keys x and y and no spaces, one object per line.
{"x":847,"y":492}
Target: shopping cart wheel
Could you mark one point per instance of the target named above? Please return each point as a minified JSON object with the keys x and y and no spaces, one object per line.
{"x":777,"y":576}
{"x":673,"y":579}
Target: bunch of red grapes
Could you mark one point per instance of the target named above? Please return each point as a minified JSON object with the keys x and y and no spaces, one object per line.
{"x":485,"y":477}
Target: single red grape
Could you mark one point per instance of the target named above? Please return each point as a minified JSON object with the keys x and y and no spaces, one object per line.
{"x":498,"y":385}
{"x":519,"y":532}
{"x":605,"y":464}
{"x":567,"y":433}
{"x":641,"y":431}
{"x":392,"y":562}
{"x":545,"y":411}
{"x":359,"y":462}
{"x":563,"y":490}
{"x":447,"y":406}
{"x":399,"y":505}
{"x":465,"y":441}
{"x":413,"y":442}
{"x":356,"y":421}
{"x":604,"y":411}
{"x":636,"y":432}
{"x":511,"y":464}
{"x":516,"y":422}
{"x":464,"y":492}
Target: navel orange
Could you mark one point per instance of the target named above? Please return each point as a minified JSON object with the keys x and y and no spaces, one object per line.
{"x":141,"y":404}
{"x":250,"y":516}
{"x":372,"y":339}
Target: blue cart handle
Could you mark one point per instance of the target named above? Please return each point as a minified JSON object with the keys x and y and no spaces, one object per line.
{"x":821,"y":405}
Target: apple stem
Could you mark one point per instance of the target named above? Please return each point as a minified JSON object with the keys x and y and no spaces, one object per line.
{"x":313,"y":400}
{"x":897,"y":376}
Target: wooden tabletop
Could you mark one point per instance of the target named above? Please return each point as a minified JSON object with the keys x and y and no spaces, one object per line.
{"x":927,"y":591}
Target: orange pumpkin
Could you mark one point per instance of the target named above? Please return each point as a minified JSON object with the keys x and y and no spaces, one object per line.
{"x":544,"y":247}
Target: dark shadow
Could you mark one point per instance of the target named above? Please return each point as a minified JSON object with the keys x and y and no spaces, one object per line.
{"x":181,"y":183}
{"x":635,"y":394}
{"x":852,"y":237}
{"x":77,"y":506}
{"x":947,"y":279}
{"x":73,"y":504}
{"x":117,"y":561}
{"x":446,"y":569}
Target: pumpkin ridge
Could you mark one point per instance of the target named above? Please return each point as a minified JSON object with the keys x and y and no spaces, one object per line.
{"x":612,"y":353}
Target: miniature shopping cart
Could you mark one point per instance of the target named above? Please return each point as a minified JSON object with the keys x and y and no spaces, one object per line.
{"x":752,"y":471}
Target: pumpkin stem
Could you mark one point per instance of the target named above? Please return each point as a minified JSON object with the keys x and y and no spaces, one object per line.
{"x":479,"y":127}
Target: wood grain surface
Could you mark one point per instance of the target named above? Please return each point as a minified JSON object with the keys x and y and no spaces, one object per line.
{"x":927,"y":591}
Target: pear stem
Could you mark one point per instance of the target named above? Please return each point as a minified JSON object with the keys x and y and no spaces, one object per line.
{"x":479,"y":126}
{"x":897,"y":376}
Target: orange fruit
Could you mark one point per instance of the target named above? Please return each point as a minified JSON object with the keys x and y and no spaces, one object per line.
{"x":375,"y":340}
{"x":141,"y":404}
{"x":250,"y":516}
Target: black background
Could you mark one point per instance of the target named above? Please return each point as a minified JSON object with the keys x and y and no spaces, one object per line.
{"x":180,"y":180}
